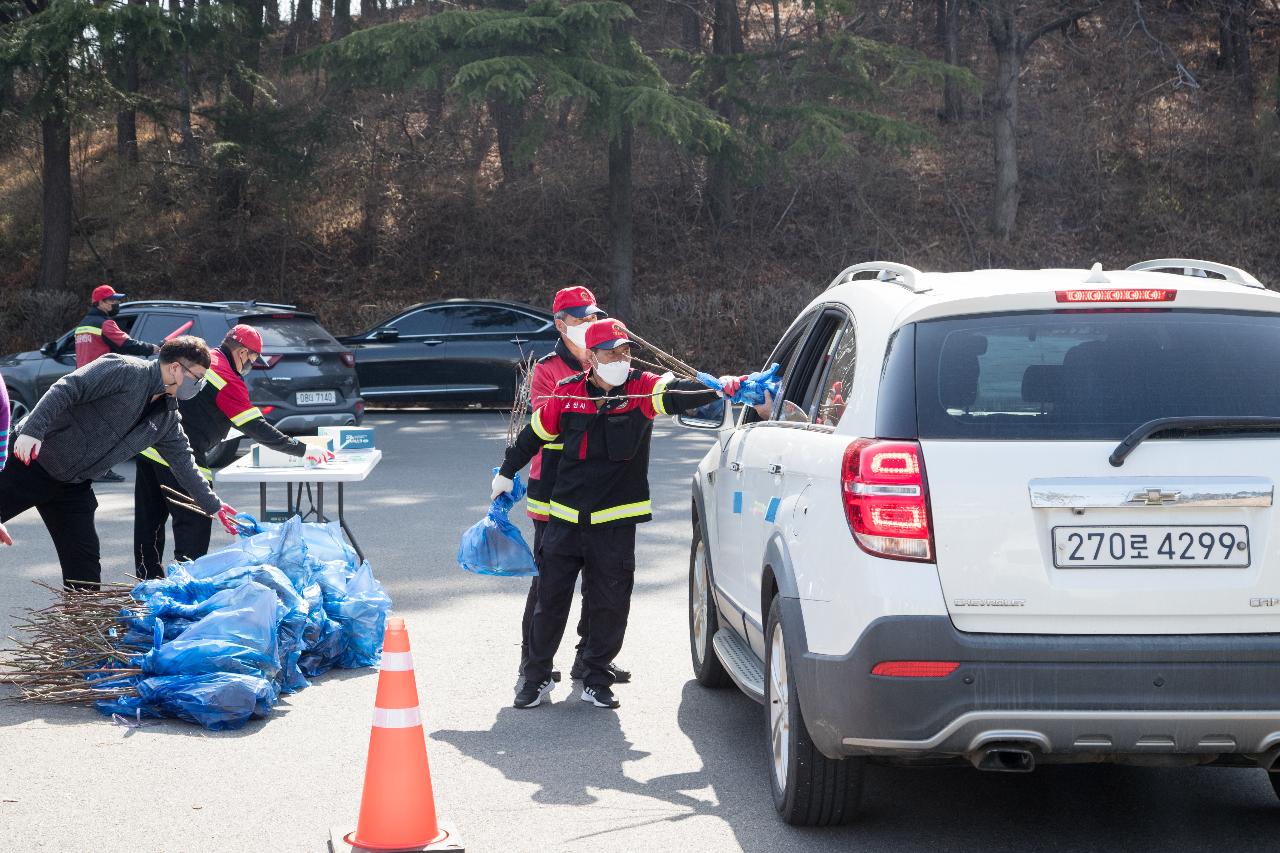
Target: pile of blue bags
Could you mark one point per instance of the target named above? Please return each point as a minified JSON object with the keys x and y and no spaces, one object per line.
{"x":221,"y":638}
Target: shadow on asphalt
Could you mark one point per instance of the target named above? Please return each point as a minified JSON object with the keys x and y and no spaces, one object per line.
{"x":568,"y":751}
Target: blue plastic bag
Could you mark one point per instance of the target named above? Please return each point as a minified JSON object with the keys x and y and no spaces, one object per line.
{"x":237,"y":635}
{"x":216,"y":700}
{"x":495,"y":546}
{"x":752,"y":389}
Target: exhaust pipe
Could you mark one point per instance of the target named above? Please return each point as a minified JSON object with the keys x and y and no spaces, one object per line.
{"x":1004,"y":759}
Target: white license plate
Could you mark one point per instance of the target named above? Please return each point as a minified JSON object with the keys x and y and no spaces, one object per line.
{"x":317,"y":398}
{"x":1177,"y":546}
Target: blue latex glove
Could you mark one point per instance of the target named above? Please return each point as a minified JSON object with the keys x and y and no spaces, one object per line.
{"x":753,"y":388}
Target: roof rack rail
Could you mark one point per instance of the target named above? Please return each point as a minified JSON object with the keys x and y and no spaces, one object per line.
{"x":253,"y":303}
{"x":1190,"y":266}
{"x":899,"y":274}
{"x":187,"y":303}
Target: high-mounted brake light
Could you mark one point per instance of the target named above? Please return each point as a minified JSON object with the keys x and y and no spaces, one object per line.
{"x":266,"y":362}
{"x":915,"y":668}
{"x":1112,"y":294}
{"x":885,"y":499}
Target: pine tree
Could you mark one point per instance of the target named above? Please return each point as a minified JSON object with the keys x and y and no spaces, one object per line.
{"x":523,"y":66}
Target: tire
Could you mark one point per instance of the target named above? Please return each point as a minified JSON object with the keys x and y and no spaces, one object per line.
{"x":18,"y":409}
{"x":704,"y":621}
{"x":808,"y":788}
{"x":224,"y":454}
{"x":1275,"y":782}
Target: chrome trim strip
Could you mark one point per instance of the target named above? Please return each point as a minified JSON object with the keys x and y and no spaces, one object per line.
{"x":1144,"y":492}
{"x":1039,"y":727}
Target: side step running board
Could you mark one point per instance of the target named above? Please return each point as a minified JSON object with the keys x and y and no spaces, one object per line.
{"x":746,"y":670}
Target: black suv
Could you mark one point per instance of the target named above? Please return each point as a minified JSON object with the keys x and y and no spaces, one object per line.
{"x":305,"y":378}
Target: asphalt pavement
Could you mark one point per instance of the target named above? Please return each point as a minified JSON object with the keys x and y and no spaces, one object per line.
{"x":678,"y":767}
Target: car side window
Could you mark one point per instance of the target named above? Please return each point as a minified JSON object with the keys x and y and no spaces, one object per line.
{"x":428,"y":321}
{"x":489,"y":319}
{"x":785,"y":355}
{"x":839,"y":379}
{"x":803,"y":377}
{"x":154,"y":327}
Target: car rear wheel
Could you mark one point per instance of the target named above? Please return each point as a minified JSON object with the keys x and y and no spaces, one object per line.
{"x":703,"y":619}
{"x":809,"y":789}
{"x":1275,"y":782}
{"x":224,"y":454}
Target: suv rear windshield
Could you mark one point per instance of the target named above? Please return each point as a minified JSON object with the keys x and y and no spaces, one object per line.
{"x":290,"y":333}
{"x":1091,"y":375}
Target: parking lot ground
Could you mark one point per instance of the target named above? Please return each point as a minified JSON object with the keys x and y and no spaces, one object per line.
{"x":676,"y":768}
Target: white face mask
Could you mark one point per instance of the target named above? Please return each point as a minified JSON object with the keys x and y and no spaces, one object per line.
{"x":614,"y":373}
{"x":577,"y":334}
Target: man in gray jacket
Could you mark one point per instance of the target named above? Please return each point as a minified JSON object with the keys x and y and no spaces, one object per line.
{"x":105,"y":413}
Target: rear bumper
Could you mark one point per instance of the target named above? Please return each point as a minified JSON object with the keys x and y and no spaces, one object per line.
{"x":1094,"y":697}
{"x":299,"y":424}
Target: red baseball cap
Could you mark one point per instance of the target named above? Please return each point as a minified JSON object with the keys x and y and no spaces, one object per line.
{"x":607,"y":334}
{"x":104,"y":291}
{"x":246,"y":336}
{"x":577,"y":301}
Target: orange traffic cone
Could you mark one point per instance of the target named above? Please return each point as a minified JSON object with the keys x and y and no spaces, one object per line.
{"x":398,"y":809}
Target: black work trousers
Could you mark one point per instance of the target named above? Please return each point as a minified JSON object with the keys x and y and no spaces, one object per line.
{"x":608,"y":556}
{"x":531,"y":601}
{"x":67,"y":510}
{"x":151,"y":510}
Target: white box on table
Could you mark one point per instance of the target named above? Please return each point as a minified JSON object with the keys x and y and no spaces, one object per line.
{"x":348,"y":438}
{"x":265,"y":457}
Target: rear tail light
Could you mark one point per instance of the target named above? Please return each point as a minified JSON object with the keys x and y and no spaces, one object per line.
{"x":885,"y":499}
{"x":915,"y":668}
{"x":266,"y":362}
{"x":266,"y":410}
{"x":1124,"y":294}
{"x":360,"y":408}
{"x":348,"y":358}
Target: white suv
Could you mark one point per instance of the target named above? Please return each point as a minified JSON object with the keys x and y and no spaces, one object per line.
{"x":1004,"y":517}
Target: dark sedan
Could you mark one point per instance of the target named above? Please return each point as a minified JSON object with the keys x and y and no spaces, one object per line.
{"x":460,"y":351}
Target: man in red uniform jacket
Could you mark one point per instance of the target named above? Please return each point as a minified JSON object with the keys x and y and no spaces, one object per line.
{"x":209,"y":409}
{"x":604,"y":420}
{"x":99,"y":334}
{"x":574,"y":309}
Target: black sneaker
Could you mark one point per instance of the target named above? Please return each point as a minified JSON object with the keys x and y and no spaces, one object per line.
{"x":109,"y":477}
{"x":531,"y":695}
{"x":601,"y":697}
{"x":579,"y":672}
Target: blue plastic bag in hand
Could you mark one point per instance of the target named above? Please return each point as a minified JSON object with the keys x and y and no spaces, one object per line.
{"x":753,"y":388}
{"x":495,"y":546}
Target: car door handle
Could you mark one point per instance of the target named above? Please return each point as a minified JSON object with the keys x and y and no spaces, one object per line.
{"x":775,"y":469}
{"x":735,"y":466}
{"x":519,"y":341}
{"x":432,"y":343}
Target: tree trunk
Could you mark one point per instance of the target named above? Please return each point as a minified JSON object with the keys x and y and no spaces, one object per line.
{"x":949,"y":35}
{"x":777,"y":24}
{"x":273,"y":14}
{"x":326,"y":18}
{"x":1235,"y":44}
{"x":127,"y":118}
{"x":55,"y":232}
{"x":306,"y":12}
{"x":690,"y":27}
{"x":620,"y":225}
{"x":508,"y":120}
{"x":368,"y":11}
{"x":1004,"y":114}
{"x":726,"y":41}
{"x":341,"y":19}
{"x":184,"y":94}
{"x":232,"y":170}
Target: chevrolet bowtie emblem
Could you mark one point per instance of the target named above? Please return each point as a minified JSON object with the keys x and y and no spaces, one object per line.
{"x":1154,"y":497}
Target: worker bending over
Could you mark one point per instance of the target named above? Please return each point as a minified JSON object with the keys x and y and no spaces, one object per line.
{"x":209,"y":408}
{"x":92,"y":418}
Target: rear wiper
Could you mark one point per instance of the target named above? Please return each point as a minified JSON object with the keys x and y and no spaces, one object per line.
{"x":1196,"y":423}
